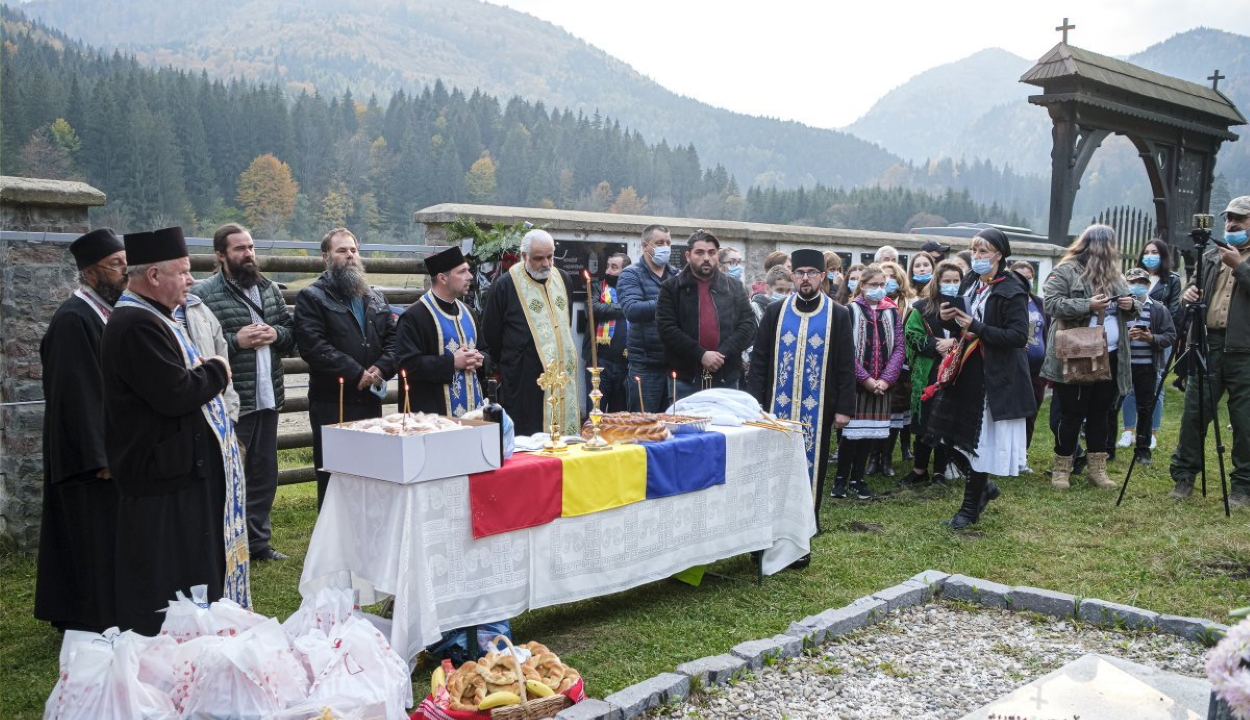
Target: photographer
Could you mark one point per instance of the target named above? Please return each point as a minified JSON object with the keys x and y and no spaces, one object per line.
{"x":1226,"y":290}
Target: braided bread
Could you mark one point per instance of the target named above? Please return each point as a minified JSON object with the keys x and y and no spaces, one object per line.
{"x":628,"y":427}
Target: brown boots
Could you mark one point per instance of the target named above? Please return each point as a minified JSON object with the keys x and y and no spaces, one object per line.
{"x":1097,"y":471}
{"x":1061,"y":475}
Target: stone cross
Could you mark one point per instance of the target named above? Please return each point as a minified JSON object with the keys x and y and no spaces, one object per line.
{"x":1064,"y":28}
{"x":1215,"y":80}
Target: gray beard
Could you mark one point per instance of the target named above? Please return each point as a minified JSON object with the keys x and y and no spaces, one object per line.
{"x":109,"y":291}
{"x":348,"y":281}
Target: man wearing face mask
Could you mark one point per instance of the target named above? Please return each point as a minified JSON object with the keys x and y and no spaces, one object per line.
{"x":1226,"y":289}
{"x":611,"y":333}
{"x":638,"y":290}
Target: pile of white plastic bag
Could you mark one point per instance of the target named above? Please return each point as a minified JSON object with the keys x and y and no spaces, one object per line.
{"x":218,"y":660}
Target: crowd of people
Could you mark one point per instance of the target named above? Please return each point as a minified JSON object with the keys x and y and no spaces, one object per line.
{"x":163,"y":393}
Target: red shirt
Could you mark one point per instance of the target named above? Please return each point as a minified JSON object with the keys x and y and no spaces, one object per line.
{"x":709,"y":325}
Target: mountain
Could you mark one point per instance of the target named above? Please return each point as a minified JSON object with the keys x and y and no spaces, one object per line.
{"x":382,"y":46}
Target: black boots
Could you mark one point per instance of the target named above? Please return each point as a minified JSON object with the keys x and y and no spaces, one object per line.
{"x":975,"y":498}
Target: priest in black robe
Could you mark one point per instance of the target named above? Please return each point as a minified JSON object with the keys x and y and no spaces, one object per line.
{"x":436,"y":342}
{"x":523,"y":355}
{"x":835,"y":404}
{"x":74,"y":583}
{"x":163,"y":446}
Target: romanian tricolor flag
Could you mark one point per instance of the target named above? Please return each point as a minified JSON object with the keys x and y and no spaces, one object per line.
{"x":605,"y":330}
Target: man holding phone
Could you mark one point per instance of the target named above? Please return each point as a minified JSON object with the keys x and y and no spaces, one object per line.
{"x":1226,"y":290}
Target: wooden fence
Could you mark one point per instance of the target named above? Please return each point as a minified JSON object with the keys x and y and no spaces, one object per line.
{"x":1134,"y":227}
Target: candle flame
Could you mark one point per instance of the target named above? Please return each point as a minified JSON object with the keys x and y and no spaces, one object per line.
{"x":340,"y":380}
{"x":586,"y":274}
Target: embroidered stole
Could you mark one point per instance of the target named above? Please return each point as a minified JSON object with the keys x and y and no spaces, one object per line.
{"x":605,"y":330}
{"x":799,"y":374}
{"x":546,"y":307}
{"x":465,"y":392}
{"x":237,"y":585}
{"x":95,"y":302}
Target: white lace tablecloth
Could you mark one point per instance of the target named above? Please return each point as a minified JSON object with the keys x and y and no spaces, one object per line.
{"x":415,"y":542}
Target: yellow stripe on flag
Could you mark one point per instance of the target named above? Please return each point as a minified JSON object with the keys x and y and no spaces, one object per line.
{"x":598,"y":481}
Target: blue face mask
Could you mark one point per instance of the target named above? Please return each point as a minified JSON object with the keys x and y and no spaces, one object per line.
{"x":832,"y":276}
{"x":779,"y":296}
{"x":1150,"y":262}
{"x":950,"y":289}
{"x":1138,"y":289}
{"x":851,"y":285}
{"x":1235,"y":238}
{"x":735,"y":272}
{"x":981,"y":266}
{"x":661,"y":254}
{"x":891,"y":286}
{"x":875,"y":294}
{"x":922,"y":278}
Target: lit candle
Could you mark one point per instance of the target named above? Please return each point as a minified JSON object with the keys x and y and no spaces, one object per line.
{"x":407,"y":397}
{"x":674,"y":388}
{"x":407,"y":394}
{"x":590,"y":307}
{"x":340,"y":400}
{"x":641,"y":406}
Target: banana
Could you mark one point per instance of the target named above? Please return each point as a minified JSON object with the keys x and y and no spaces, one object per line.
{"x":499,"y":699}
{"x":437,"y":679}
{"x":538,"y":689}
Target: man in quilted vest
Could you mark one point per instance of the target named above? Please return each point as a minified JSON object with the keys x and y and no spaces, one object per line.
{"x":259,"y":331}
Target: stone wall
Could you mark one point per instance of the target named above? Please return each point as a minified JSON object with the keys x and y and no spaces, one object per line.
{"x":36,"y":275}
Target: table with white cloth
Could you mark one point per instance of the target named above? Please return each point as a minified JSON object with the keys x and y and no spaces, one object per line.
{"x":415,"y":542}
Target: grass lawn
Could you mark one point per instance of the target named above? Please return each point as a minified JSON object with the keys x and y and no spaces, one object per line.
{"x":1184,"y":559}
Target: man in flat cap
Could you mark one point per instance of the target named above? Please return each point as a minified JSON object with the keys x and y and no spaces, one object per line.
{"x":181,"y":518}
{"x":1226,"y":291}
{"x":74,"y":584}
{"x":436,"y":341}
{"x":803,"y":363}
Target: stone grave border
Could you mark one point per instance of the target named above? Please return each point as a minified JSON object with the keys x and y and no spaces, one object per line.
{"x":675,"y":687}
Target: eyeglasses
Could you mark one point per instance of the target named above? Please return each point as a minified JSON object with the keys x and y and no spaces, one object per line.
{"x":808,"y":273}
{"x":735,"y":262}
{"x":119,"y":268}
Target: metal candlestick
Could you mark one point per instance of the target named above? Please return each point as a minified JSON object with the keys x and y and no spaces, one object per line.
{"x":554,"y":381}
{"x":596,"y":442}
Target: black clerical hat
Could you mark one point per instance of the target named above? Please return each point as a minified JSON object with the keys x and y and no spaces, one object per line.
{"x":807,"y":258}
{"x":444,"y":261}
{"x":156,"y":246}
{"x":94,"y":247}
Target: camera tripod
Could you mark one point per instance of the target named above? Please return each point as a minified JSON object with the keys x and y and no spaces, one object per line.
{"x":1197,"y":357}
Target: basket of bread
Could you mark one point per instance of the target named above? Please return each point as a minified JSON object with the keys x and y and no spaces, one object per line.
{"x":625,"y":427}
{"x":502,"y":686}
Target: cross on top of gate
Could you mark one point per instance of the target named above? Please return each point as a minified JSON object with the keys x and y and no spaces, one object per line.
{"x":1064,"y":28}
{"x":1215,"y":80}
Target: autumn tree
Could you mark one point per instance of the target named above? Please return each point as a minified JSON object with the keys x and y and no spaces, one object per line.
{"x":628,"y":203}
{"x":480,"y":180}
{"x":267,"y":192}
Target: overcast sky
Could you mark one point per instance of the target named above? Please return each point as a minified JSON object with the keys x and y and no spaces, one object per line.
{"x":824,"y":63}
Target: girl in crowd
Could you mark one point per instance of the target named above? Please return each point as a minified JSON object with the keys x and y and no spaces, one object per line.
{"x":1165,"y":289}
{"x":897,"y":288}
{"x":877,"y":329}
{"x":920,"y":272}
{"x":984,"y":429}
{"x":847,"y":291}
{"x":833,"y":273}
{"x":1150,"y":336}
{"x":928,"y":341}
{"x":1036,"y":348}
{"x":1085,"y":285}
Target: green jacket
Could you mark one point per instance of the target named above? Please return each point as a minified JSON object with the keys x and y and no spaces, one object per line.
{"x":1066,"y":297}
{"x":1237,"y":337}
{"x":233,"y":313}
{"x":921,"y":353}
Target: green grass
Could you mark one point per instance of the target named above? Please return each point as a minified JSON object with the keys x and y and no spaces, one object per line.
{"x":1184,"y":559}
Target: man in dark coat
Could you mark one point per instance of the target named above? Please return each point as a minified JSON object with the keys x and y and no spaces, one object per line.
{"x":611,"y":334}
{"x":705,"y":320}
{"x":436,"y":342}
{"x":170,"y":443}
{"x":781,"y":350}
{"x":74,"y":584}
{"x":345,"y":331}
{"x":258,"y":330}
{"x":526,"y":331}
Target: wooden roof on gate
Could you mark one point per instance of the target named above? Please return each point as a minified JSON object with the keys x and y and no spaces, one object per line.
{"x":1066,"y":61}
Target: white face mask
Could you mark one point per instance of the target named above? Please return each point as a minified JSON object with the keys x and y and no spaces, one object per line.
{"x":661,"y":254}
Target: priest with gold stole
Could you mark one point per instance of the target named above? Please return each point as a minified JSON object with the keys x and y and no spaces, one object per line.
{"x":436,"y":342}
{"x":803,"y":364}
{"x":526,"y":331}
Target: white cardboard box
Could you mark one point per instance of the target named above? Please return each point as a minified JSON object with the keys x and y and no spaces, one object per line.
{"x":472,"y":448}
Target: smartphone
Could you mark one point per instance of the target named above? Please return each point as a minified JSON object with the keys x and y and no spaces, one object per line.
{"x":1220,"y":243}
{"x":956,"y":302}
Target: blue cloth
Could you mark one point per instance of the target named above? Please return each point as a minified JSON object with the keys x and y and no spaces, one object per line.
{"x":685,"y":463}
{"x":358,"y":309}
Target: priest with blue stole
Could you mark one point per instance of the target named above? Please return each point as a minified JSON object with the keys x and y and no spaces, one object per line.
{"x":436,"y":342}
{"x":803,"y":364}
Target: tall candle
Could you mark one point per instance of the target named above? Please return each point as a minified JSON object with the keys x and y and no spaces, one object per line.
{"x":590,"y":307}
{"x":340,"y":400}
{"x":641,"y":406}
{"x":407,"y":397}
{"x":674,"y":388}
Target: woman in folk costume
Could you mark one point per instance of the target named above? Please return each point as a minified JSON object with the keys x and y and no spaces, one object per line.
{"x":928,"y":341}
{"x":899,"y":289}
{"x":877,"y":328}
{"x":985,"y":430}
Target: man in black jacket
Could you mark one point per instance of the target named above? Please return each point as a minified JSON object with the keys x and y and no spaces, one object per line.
{"x":610,"y":332}
{"x":346,"y":333}
{"x":705,"y":320}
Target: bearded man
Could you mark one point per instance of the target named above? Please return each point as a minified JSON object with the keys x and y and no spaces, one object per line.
{"x":74,"y":585}
{"x":345,"y":331}
{"x":258,"y":330}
